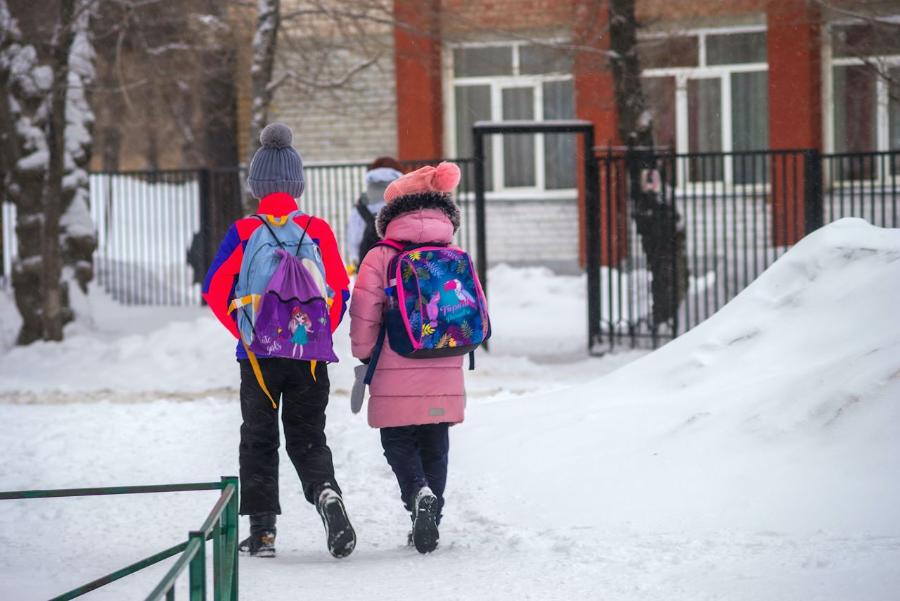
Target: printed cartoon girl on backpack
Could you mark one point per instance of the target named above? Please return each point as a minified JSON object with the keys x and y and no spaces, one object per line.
{"x":300,"y":327}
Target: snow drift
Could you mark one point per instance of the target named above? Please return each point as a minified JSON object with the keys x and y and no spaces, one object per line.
{"x":781,"y":412}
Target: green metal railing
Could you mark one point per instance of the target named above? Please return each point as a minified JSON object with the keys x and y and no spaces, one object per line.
{"x":221,"y":525}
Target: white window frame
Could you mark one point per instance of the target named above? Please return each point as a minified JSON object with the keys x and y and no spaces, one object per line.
{"x":882,"y":103}
{"x":705,"y":71}
{"x":882,"y":98}
{"x":497,"y":83}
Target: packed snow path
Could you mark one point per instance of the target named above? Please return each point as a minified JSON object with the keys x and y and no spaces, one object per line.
{"x":753,"y":458}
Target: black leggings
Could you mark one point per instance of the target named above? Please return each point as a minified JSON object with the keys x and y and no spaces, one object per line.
{"x":418,"y":456}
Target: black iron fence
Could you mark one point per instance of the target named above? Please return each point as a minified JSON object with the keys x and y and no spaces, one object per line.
{"x":862,"y":185}
{"x":682,"y":234}
{"x":157,"y":231}
{"x":679,"y":234}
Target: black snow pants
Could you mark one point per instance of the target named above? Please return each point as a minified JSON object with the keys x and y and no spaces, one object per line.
{"x":302,"y":401}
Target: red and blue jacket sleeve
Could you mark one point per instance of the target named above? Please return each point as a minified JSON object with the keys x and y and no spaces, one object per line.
{"x":335,"y":271}
{"x":218,"y":288}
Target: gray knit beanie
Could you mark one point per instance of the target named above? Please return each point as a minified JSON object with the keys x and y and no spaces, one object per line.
{"x":276,"y":166}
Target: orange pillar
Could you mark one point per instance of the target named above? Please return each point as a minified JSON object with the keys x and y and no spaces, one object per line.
{"x":795,"y":107}
{"x":417,"y":60}
{"x":595,"y":102}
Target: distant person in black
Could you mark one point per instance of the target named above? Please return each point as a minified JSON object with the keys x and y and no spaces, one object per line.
{"x":361,"y":234}
{"x":196,"y":258}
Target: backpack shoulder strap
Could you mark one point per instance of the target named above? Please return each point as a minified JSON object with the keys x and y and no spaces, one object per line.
{"x":398,"y":246}
{"x":401,"y":247}
{"x":379,"y":344}
{"x":376,"y":354}
{"x":293,"y":216}
{"x":365,"y":213}
{"x":306,"y":229}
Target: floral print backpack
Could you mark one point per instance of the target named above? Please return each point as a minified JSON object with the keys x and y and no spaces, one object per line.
{"x":435,"y":305}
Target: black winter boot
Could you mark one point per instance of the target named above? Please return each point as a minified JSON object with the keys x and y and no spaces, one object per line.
{"x":261,"y":542}
{"x":425,"y":514}
{"x":339,"y":534}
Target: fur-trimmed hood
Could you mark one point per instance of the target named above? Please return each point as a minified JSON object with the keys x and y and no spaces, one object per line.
{"x":414,"y":202}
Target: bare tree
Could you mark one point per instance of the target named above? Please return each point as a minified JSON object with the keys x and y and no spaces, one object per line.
{"x":26,"y":85}
{"x":656,"y":217}
{"x":871,"y":30}
{"x":51,"y":264}
{"x":318,"y":47}
{"x":168,"y":83}
{"x":45,"y":124}
{"x":265,"y":40}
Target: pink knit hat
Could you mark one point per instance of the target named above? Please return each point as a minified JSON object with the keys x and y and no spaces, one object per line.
{"x":442,"y":178}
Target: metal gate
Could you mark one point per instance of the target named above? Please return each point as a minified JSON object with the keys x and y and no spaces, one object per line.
{"x":683,"y":234}
{"x":589,"y":186}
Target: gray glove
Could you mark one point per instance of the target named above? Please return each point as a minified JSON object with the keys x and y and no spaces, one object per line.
{"x":358,"y":393}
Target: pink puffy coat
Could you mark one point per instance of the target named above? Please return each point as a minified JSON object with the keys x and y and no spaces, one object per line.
{"x":404,"y":391}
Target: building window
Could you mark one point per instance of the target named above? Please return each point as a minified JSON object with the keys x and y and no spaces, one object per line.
{"x":865,"y":98}
{"x":855,"y":109}
{"x":708,"y":91}
{"x":508,"y":82}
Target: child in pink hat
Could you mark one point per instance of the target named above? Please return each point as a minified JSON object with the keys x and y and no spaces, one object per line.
{"x":412,"y":401}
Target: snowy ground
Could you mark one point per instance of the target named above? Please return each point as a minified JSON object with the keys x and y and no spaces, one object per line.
{"x":753,"y":458}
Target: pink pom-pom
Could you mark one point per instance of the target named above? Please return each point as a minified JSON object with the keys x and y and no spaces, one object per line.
{"x":445,"y":177}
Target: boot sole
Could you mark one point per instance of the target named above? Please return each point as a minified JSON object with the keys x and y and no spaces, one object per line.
{"x":339,"y":533}
{"x":263,"y":553}
{"x":425,"y":530}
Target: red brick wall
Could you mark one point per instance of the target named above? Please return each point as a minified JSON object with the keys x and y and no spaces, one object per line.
{"x":656,"y":11}
{"x":793,"y":46}
{"x":426,"y":24}
{"x":417,"y":59}
{"x":467,"y":18}
{"x":594,"y":100}
{"x":795,"y":104}
{"x":471,"y":18}
{"x":795,"y":78}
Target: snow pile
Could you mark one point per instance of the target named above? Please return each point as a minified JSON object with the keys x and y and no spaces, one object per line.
{"x":778,"y":413}
{"x":117,"y":349}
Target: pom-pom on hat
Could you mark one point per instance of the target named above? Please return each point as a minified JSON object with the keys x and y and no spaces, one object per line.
{"x":276,"y":166}
{"x":442,"y":179}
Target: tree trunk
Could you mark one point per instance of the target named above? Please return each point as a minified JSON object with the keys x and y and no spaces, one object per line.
{"x":9,"y":146}
{"x":626,"y":68}
{"x":264,"y":47}
{"x":656,"y":217}
{"x":219,"y":107}
{"x":23,"y":111}
{"x":78,"y":234}
{"x":46,"y":130}
{"x":51,"y":268}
